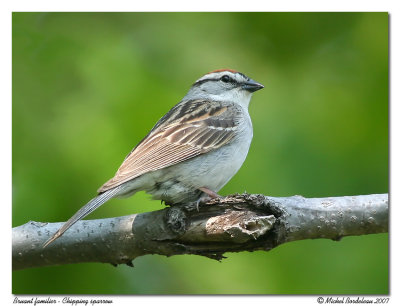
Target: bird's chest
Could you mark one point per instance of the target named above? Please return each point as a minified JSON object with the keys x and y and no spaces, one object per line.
{"x":216,"y":168}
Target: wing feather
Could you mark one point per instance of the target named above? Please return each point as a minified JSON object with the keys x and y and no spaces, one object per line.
{"x":206,"y":127}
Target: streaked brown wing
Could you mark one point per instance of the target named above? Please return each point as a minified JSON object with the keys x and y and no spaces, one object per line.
{"x":180,"y":140}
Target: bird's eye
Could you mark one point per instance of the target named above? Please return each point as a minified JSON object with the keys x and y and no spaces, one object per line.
{"x":225,"y":79}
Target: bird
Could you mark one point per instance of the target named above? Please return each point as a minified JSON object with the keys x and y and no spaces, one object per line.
{"x":191,"y":152}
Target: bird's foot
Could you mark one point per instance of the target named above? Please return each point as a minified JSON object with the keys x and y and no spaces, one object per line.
{"x":209,"y":194}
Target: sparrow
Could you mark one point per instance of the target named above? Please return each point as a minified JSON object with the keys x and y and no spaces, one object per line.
{"x":192,"y":151}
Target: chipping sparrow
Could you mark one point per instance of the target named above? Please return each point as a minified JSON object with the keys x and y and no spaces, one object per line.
{"x":192,"y":152}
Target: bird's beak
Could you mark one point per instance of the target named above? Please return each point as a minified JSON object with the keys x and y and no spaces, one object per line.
{"x":252,"y":86}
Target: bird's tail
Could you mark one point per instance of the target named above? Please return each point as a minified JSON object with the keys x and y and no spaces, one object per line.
{"x":91,"y":206}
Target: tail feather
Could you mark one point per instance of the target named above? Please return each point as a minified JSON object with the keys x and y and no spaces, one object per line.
{"x":91,"y":206}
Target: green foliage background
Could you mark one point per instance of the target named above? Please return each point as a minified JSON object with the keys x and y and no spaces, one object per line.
{"x":88,"y":86}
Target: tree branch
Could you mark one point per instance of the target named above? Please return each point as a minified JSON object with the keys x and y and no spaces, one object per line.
{"x":236,"y":223}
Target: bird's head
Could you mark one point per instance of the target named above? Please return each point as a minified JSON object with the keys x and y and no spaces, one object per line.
{"x":224,"y":85}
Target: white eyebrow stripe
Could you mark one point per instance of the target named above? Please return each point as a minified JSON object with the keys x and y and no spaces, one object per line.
{"x":217,"y":75}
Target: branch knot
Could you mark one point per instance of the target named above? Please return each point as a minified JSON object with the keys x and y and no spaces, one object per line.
{"x":176,"y":220}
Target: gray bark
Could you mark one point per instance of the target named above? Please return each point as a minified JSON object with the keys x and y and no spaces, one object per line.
{"x":246,"y":222}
